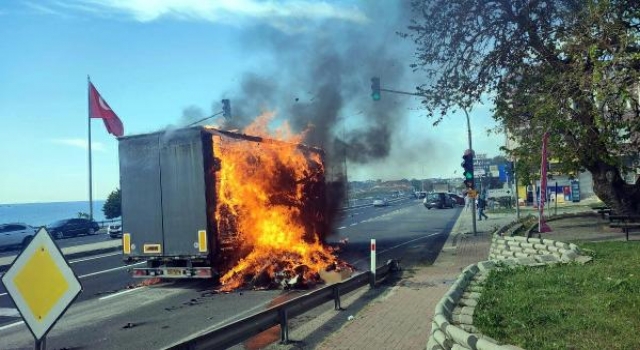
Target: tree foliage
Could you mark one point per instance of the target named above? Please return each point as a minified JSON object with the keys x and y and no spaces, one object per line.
{"x":112,"y":208}
{"x":567,"y":67}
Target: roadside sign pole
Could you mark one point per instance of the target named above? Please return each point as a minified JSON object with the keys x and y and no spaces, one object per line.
{"x":515,"y":191}
{"x":372,"y":283}
{"x":42,"y":343}
{"x":556,"y":199}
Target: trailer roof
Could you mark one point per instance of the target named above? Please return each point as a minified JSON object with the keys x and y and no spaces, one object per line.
{"x":236,"y":135}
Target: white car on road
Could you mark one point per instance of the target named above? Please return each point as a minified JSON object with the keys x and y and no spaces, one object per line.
{"x":16,"y":234}
{"x":380,"y":202}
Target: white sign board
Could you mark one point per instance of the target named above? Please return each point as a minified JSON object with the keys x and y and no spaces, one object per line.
{"x":41,"y":284}
{"x":499,"y":192}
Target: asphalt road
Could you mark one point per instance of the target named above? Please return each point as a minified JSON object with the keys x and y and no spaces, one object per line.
{"x":112,"y":313}
{"x":65,"y":242}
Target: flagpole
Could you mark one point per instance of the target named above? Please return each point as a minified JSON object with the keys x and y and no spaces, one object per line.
{"x":89,"y":144}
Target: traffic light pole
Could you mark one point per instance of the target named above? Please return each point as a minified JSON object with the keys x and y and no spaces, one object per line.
{"x":376,"y":89}
{"x":401,"y":92}
{"x":473,"y":202}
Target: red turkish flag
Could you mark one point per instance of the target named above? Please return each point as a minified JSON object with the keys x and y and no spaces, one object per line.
{"x":98,"y":108}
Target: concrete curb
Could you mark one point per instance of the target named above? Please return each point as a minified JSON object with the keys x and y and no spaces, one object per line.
{"x":452,"y":326}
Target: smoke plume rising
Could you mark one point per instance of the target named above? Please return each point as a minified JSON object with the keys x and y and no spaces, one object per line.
{"x":320,"y":81}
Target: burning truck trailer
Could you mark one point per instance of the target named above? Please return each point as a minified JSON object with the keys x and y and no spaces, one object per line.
{"x":201,"y":202}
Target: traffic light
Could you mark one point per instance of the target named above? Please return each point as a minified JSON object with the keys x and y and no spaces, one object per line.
{"x":375,"y":88}
{"x":467,"y":165}
{"x":226,"y":108}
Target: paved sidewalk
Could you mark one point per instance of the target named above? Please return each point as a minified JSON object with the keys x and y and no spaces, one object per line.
{"x":402,"y":320}
{"x":400,"y":317}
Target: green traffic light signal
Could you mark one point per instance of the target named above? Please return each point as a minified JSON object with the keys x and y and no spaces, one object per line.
{"x":467,"y":165}
{"x":375,"y":88}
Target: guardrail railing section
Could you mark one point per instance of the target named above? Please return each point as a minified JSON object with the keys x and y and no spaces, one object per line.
{"x":279,"y":315}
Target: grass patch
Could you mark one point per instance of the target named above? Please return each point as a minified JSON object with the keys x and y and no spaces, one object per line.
{"x":592,"y":306}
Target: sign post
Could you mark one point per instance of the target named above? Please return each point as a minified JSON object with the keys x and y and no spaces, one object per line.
{"x":372,"y":283}
{"x":542,"y":225}
{"x":42,"y":285}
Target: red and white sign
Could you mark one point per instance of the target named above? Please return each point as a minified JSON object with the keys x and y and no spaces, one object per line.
{"x":98,"y":108}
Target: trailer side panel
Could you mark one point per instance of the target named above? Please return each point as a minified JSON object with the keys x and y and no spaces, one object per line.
{"x":141,"y":195}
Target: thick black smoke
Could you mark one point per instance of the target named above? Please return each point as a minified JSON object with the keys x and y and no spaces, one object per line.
{"x":321,"y":82}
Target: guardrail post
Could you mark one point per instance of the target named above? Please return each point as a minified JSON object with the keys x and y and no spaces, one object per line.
{"x":336,"y":298}
{"x":372,"y":282}
{"x":284,"y":325}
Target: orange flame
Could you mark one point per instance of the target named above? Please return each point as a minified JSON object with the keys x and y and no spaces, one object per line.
{"x":266,"y":206}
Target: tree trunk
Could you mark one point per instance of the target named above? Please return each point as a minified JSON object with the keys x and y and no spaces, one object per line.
{"x":611,"y":188}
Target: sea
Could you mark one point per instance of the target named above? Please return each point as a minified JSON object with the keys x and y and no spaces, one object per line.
{"x":41,"y":214}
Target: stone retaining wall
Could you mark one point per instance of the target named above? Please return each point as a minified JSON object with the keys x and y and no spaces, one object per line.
{"x":505,"y":247}
{"x":452,"y":325}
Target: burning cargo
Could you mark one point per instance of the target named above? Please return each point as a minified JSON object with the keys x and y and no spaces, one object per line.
{"x":201,"y":202}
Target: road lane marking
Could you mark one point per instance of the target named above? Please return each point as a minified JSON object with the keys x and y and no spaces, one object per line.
{"x":355,"y":223}
{"x":238,"y":316}
{"x":120,"y":293}
{"x":111,"y":270}
{"x":398,"y":246}
{"x":11,"y":325}
{"x":94,"y":257}
{"x":342,"y":228}
{"x":100,"y":272}
{"x":9,"y":312}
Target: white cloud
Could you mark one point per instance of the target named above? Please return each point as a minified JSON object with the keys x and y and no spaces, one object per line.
{"x":80,"y":143}
{"x":224,"y":11}
{"x":47,"y":10}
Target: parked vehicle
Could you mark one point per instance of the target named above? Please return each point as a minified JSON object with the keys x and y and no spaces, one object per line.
{"x":380,"y":202}
{"x":114,"y":230}
{"x":16,"y":234}
{"x":457,"y":199}
{"x":169,"y":196}
{"x":72,"y":228}
{"x":438,"y":200}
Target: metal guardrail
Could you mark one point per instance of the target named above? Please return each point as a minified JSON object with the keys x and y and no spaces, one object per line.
{"x":236,"y":332}
{"x":368,"y":204}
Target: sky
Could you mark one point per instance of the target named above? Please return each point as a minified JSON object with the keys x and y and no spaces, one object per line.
{"x":167,"y":63}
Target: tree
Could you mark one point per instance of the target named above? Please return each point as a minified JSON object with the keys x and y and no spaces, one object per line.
{"x":567,"y":67}
{"x":112,"y":208}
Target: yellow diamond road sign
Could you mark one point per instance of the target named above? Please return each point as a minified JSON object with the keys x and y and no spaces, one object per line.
{"x":41,"y":284}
